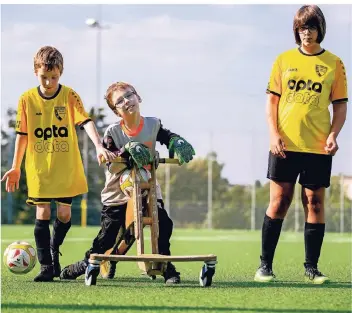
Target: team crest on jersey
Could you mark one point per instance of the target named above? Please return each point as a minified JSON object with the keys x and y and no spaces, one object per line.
{"x":320,"y":70}
{"x":60,"y":112}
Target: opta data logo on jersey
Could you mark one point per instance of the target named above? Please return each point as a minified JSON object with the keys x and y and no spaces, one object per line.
{"x":47,"y":143}
{"x":304,"y":85}
{"x":305,"y":92}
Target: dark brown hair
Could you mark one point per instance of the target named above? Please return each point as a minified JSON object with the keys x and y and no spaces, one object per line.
{"x":310,"y":15}
{"x":49,"y":57}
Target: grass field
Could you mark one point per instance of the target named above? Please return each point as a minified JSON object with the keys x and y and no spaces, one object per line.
{"x":233,"y":289}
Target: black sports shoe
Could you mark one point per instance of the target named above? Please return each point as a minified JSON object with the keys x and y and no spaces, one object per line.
{"x":56,"y":262}
{"x":46,"y":274}
{"x":264,"y":273}
{"x":312,"y":275}
{"x":171,"y":276}
{"x":112,"y":270}
{"x":74,"y":270}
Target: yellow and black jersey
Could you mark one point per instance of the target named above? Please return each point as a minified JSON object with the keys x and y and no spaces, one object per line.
{"x":53,"y":161}
{"x":306,"y":85}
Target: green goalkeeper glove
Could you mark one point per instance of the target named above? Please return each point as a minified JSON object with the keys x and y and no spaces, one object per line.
{"x":183,"y":150}
{"x":139,"y":152}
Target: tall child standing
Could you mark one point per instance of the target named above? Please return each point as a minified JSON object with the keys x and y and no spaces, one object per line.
{"x":45,"y":127}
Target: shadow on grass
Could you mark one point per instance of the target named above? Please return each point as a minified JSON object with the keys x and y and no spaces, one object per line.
{"x":225,"y":284}
{"x":142,"y":308}
{"x":281,"y":284}
{"x":145,"y":282}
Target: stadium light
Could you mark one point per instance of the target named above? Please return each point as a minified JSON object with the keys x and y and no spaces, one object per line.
{"x":91,"y":22}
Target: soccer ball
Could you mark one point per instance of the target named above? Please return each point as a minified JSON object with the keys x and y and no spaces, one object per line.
{"x":20,"y":257}
{"x":126,"y":183}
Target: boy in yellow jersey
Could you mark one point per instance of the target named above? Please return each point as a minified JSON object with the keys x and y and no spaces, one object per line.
{"x":303,"y":83}
{"x":133,"y":136}
{"x":45,"y":128}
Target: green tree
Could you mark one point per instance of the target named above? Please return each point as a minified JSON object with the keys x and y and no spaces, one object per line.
{"x":233,"y":209}
{"x":189,"y":189}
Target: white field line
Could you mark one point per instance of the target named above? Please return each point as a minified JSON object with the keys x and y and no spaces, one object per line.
{"x":214,"y":238}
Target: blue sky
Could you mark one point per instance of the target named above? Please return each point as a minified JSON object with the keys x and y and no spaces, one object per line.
{"x":202,"y":69}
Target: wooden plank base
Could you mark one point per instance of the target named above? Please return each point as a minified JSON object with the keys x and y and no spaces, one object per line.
{"x":153,"y":258}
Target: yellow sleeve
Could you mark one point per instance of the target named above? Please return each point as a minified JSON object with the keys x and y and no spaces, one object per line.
{"x":339,"y":86}
{"x":21,"y":118}
{"x":274,"y":85}
{"x":79,"y":113}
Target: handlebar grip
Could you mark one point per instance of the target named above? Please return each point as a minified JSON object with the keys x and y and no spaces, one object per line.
{"x":169,"y":161}
{"x":161,"y":160}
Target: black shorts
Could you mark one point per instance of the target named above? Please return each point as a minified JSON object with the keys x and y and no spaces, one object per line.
{"x":35,"y":201}
{"x":314,"y":170}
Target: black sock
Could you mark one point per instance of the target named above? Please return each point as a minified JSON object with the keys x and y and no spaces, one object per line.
{"x":313,"y":240}
{"x":270,"y":236}
{"x":42,"y":240}
{"x":60,"y":230}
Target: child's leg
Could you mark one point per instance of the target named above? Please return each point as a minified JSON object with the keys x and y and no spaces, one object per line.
{"x":42,"y":240}
{"x":111,"y":221}
{"x":61,"y":226}
{"x":165,"y":229}
{"x":112,"y":218}
{"x":42,"y":234}
{"x":171,"y":276}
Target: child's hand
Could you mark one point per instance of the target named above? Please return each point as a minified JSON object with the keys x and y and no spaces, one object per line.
{"x":104,"y":155}
{"x":139,"y":152}
{"x":12,"y":179}
{"x":331,"y":145}
{"x":184,"y":150}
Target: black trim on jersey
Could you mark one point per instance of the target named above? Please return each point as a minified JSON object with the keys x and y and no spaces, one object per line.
{"x":273,"y":92}
{"x":340,"y":100}
{"x":164,"y":135}
{"x":51,"y":97}
{"x":20,"y":133}
{"x":311,"y":55}
{"x":84,"y":123}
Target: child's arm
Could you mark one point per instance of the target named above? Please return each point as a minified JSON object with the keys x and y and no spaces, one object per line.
{"x":14,"y":174}
{"x":164,"y":136}
{"x":81,"y":118}
{"x":176,"y":144}
{"x":94,"y":136}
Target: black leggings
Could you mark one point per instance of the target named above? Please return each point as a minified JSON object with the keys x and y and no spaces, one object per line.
{"x":113,"y":218}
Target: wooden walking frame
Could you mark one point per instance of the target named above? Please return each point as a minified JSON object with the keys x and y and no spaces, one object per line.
{"x":151,"y":264}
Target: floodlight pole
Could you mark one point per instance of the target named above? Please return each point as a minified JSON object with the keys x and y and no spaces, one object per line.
{"x":210,"y":182}
{"x":93,"y":23}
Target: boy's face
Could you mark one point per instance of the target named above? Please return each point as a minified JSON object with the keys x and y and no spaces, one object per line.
{"x":126,"y":102}
{"x":308,"y":35}
{"x":49,"y":80}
